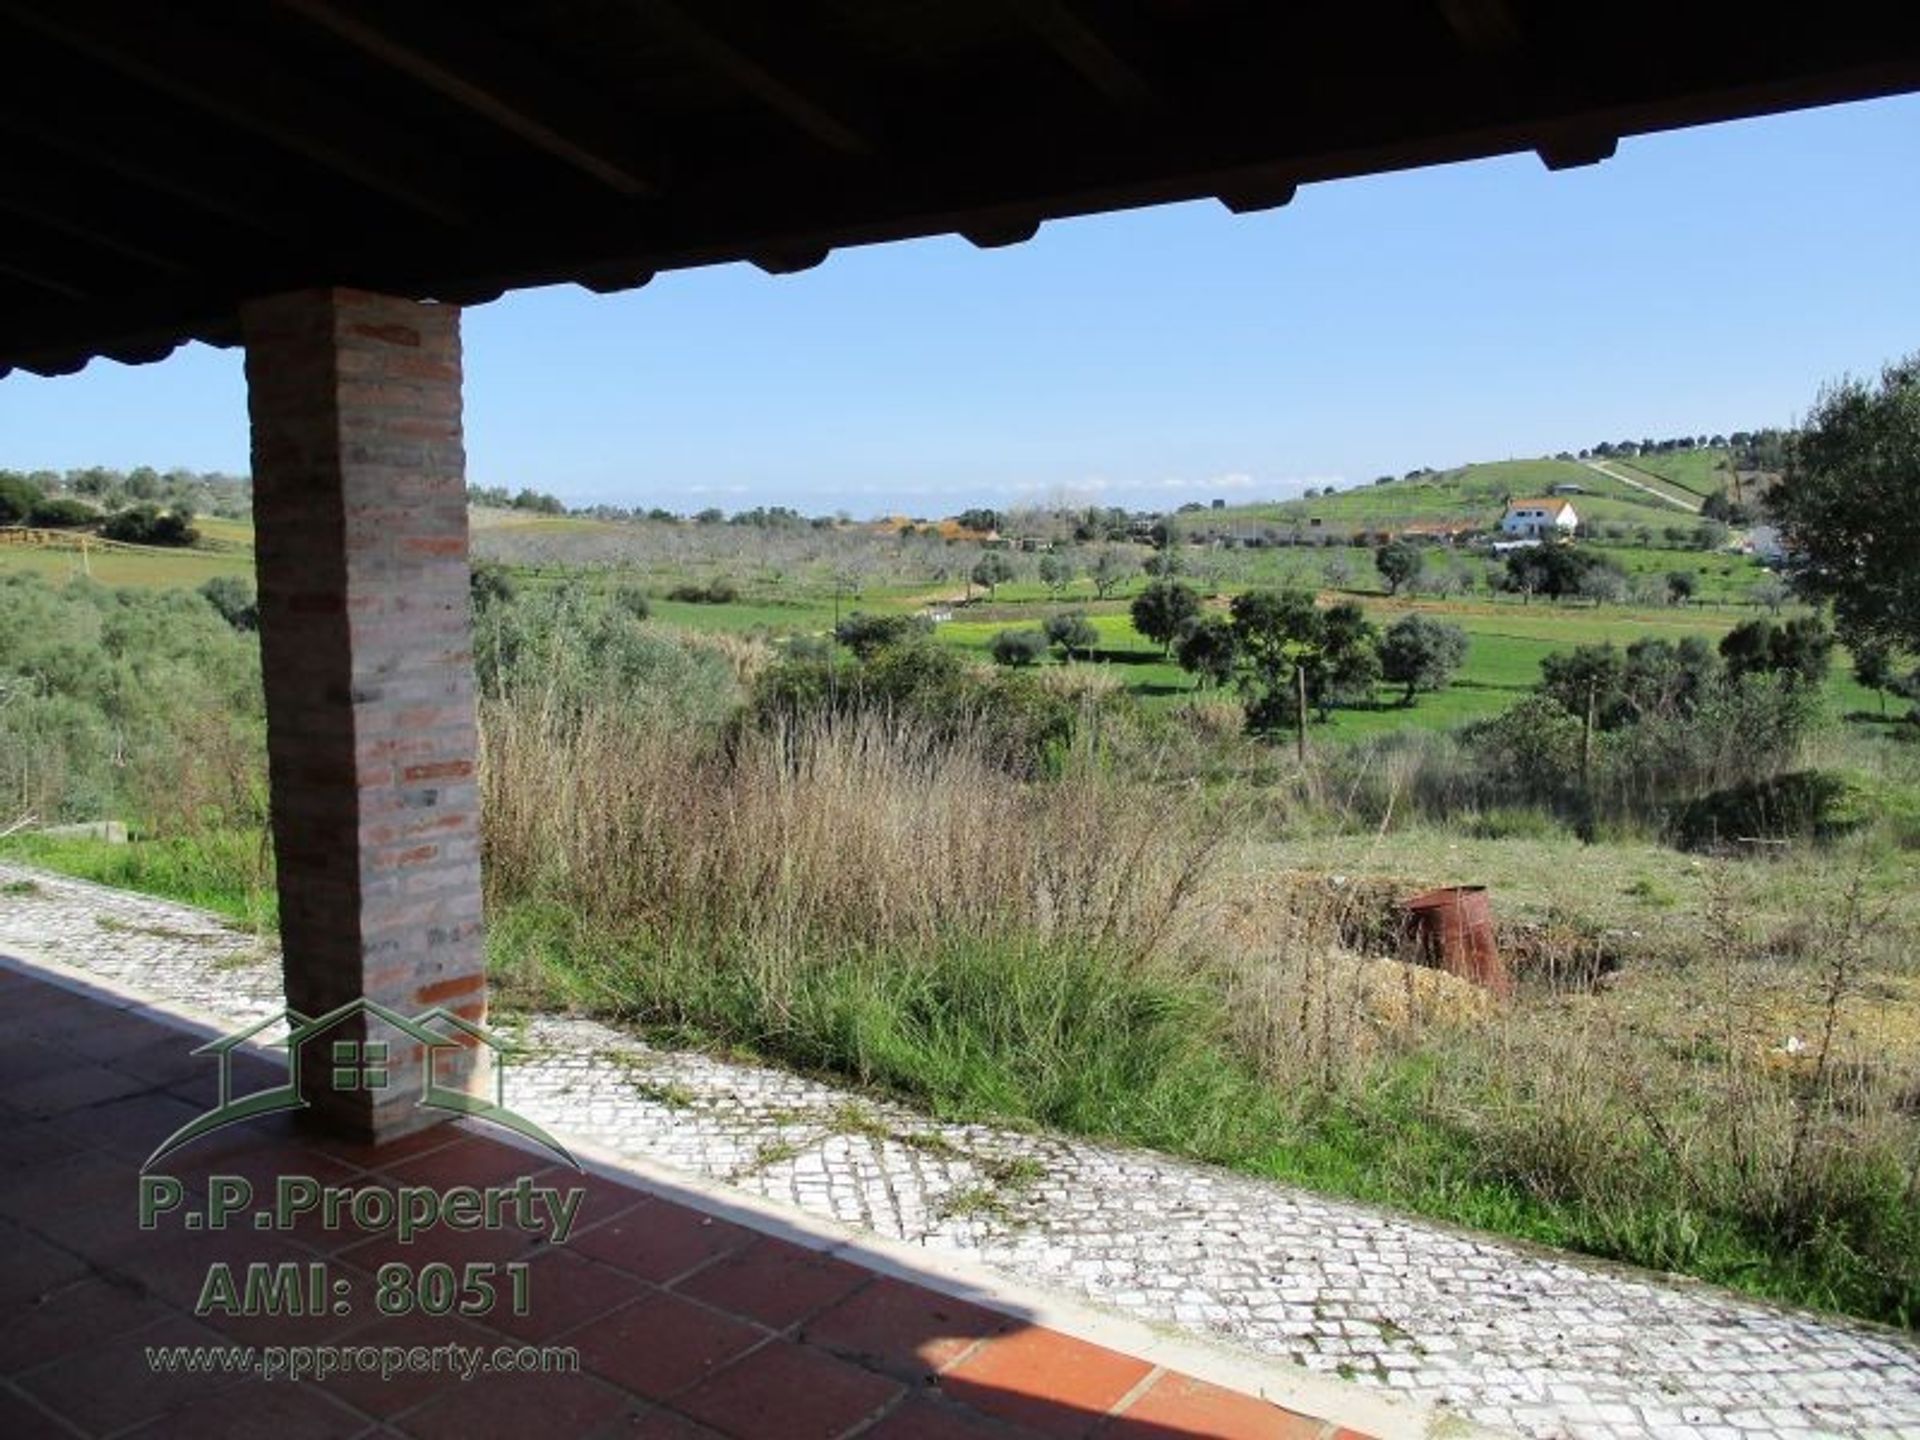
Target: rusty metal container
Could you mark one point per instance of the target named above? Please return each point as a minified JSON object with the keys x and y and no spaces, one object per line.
{"x":1452,"y":928}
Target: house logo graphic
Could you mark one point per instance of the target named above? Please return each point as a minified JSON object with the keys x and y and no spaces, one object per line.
{"x":361,"y":1065}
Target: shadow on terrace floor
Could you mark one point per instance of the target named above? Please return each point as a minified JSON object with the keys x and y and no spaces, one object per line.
{"x":686,"y":1324}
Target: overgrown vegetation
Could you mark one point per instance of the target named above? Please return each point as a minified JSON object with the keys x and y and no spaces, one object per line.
{"x":1015,"y":891}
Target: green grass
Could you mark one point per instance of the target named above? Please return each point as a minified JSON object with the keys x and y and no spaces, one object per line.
{"x":1472,"y":493}
{"x":1698,"y":473}
{"x":147,"y":569}
{"x":1063,"y":1036}
{"x":228,"y":872}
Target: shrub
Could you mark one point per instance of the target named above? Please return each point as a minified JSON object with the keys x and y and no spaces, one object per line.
{"x":233,"y":598}
{"x":867,"y":635}
{"x":1072,"y":632}
{"x":60,"y":512}
{"x":717,"y":591}
{"x":1018,"y":647}
{"x":18,"y":496}
{"x":150,"y":525}
{"x":1800,"y":805}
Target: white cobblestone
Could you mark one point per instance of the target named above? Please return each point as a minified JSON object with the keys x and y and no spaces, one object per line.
{"x":1513,"y":1337}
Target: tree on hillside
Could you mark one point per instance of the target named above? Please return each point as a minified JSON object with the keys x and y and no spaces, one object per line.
{"x":1848,"y":505}
{"x":1799,"y":649}
{"x":1285,"y":641}
{"x":17,"y":499}
{"x":1110,"y":572}
{"x":1160,"y":610}
{"x":992,"y":571}
{"x":1873,"y":668}
{"x":1680,"y":586}
{"x":1771,"y":592}
{"x":1272,"y":629}
{"x":1017,"y":647}
{"x":867,"y":635}
{"x":1553,"y":570}
{"x":1072,"y":631}
{"x":1346,"y":665}
{"x":1587,"y":679}
{"x":1056,"y":572}
{"x":1208,"y":650}
{"x":1421,"y":653}
{"x":1399,"y":564}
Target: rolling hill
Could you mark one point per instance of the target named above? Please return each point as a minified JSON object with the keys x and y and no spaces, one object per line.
{"x":1669,"y":487}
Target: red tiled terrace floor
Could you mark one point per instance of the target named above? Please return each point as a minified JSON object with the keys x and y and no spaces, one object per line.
{"x":686,"y":1324}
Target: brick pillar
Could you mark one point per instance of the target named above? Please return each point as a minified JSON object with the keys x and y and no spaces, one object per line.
{"x":359,"y":496}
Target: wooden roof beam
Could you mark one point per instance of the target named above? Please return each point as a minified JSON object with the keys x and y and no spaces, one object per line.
{"x":1485,"y":27}
{"x":141,"y":168}
{"x":471,"y":96}
{"x":89,"y":233}
{"x":1087,"y":52}
{"x":748,"y":55}
{"x":253,"y":96}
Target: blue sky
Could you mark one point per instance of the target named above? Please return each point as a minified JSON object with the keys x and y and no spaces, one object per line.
{"x":1700,"y":281}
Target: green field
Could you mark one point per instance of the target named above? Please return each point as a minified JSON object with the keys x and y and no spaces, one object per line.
{"x":1698,"y":472}
{"x":157,"y":569}
{"x":1509,"y":638}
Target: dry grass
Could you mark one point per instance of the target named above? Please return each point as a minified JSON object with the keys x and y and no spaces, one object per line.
{"x":824,"y":893}
{"x":870,"y":831}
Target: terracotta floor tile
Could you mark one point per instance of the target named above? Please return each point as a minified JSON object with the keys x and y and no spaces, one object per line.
{"x":661,"y":1344}
{"x":301,"y":1131}
{"x":22,"y":1061}
{"x":451,"y":1247}
{"x":934,"y":1418}
{"x":34,"y":1267}
{"x":1044,"y":1380}
{"x":467,"y":1161}
{"x":22,"y":1419}
{"x":369,"y":1392}
{"x":131,"y":1128}
{"x":257,"y":1408}
{"x":1180,"y":1405}
{"x":515,"y":1405}
{"x":906,"y":1330}
{"x":564,"y":1289}
{"x":606,"y":1198}
{"x":651,"y":1422}
{"x":261,"y":1166}
{"x":70,"y":1318}
{"x":660,"y":1241}
{"x":108,"y":1386}
{"x":71,"y":1089}
{"x":110,"y":1036}
{"x":785,"y":1391}
{"x":28,"y":1143}
{"x":85,"y":1177}
{"x":774,"y":1282}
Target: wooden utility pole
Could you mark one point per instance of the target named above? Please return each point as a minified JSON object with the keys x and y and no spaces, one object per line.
{"x":1300,"y":714}
{"x":1586,"y":743}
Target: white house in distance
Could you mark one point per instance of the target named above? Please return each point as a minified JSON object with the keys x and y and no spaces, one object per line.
{"x":1553,"y":515}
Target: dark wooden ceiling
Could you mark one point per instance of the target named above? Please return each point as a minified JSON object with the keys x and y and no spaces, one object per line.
{"x":166,"y":161}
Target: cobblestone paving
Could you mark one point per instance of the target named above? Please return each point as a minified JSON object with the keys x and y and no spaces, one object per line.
{"x":1511,"y":1337}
